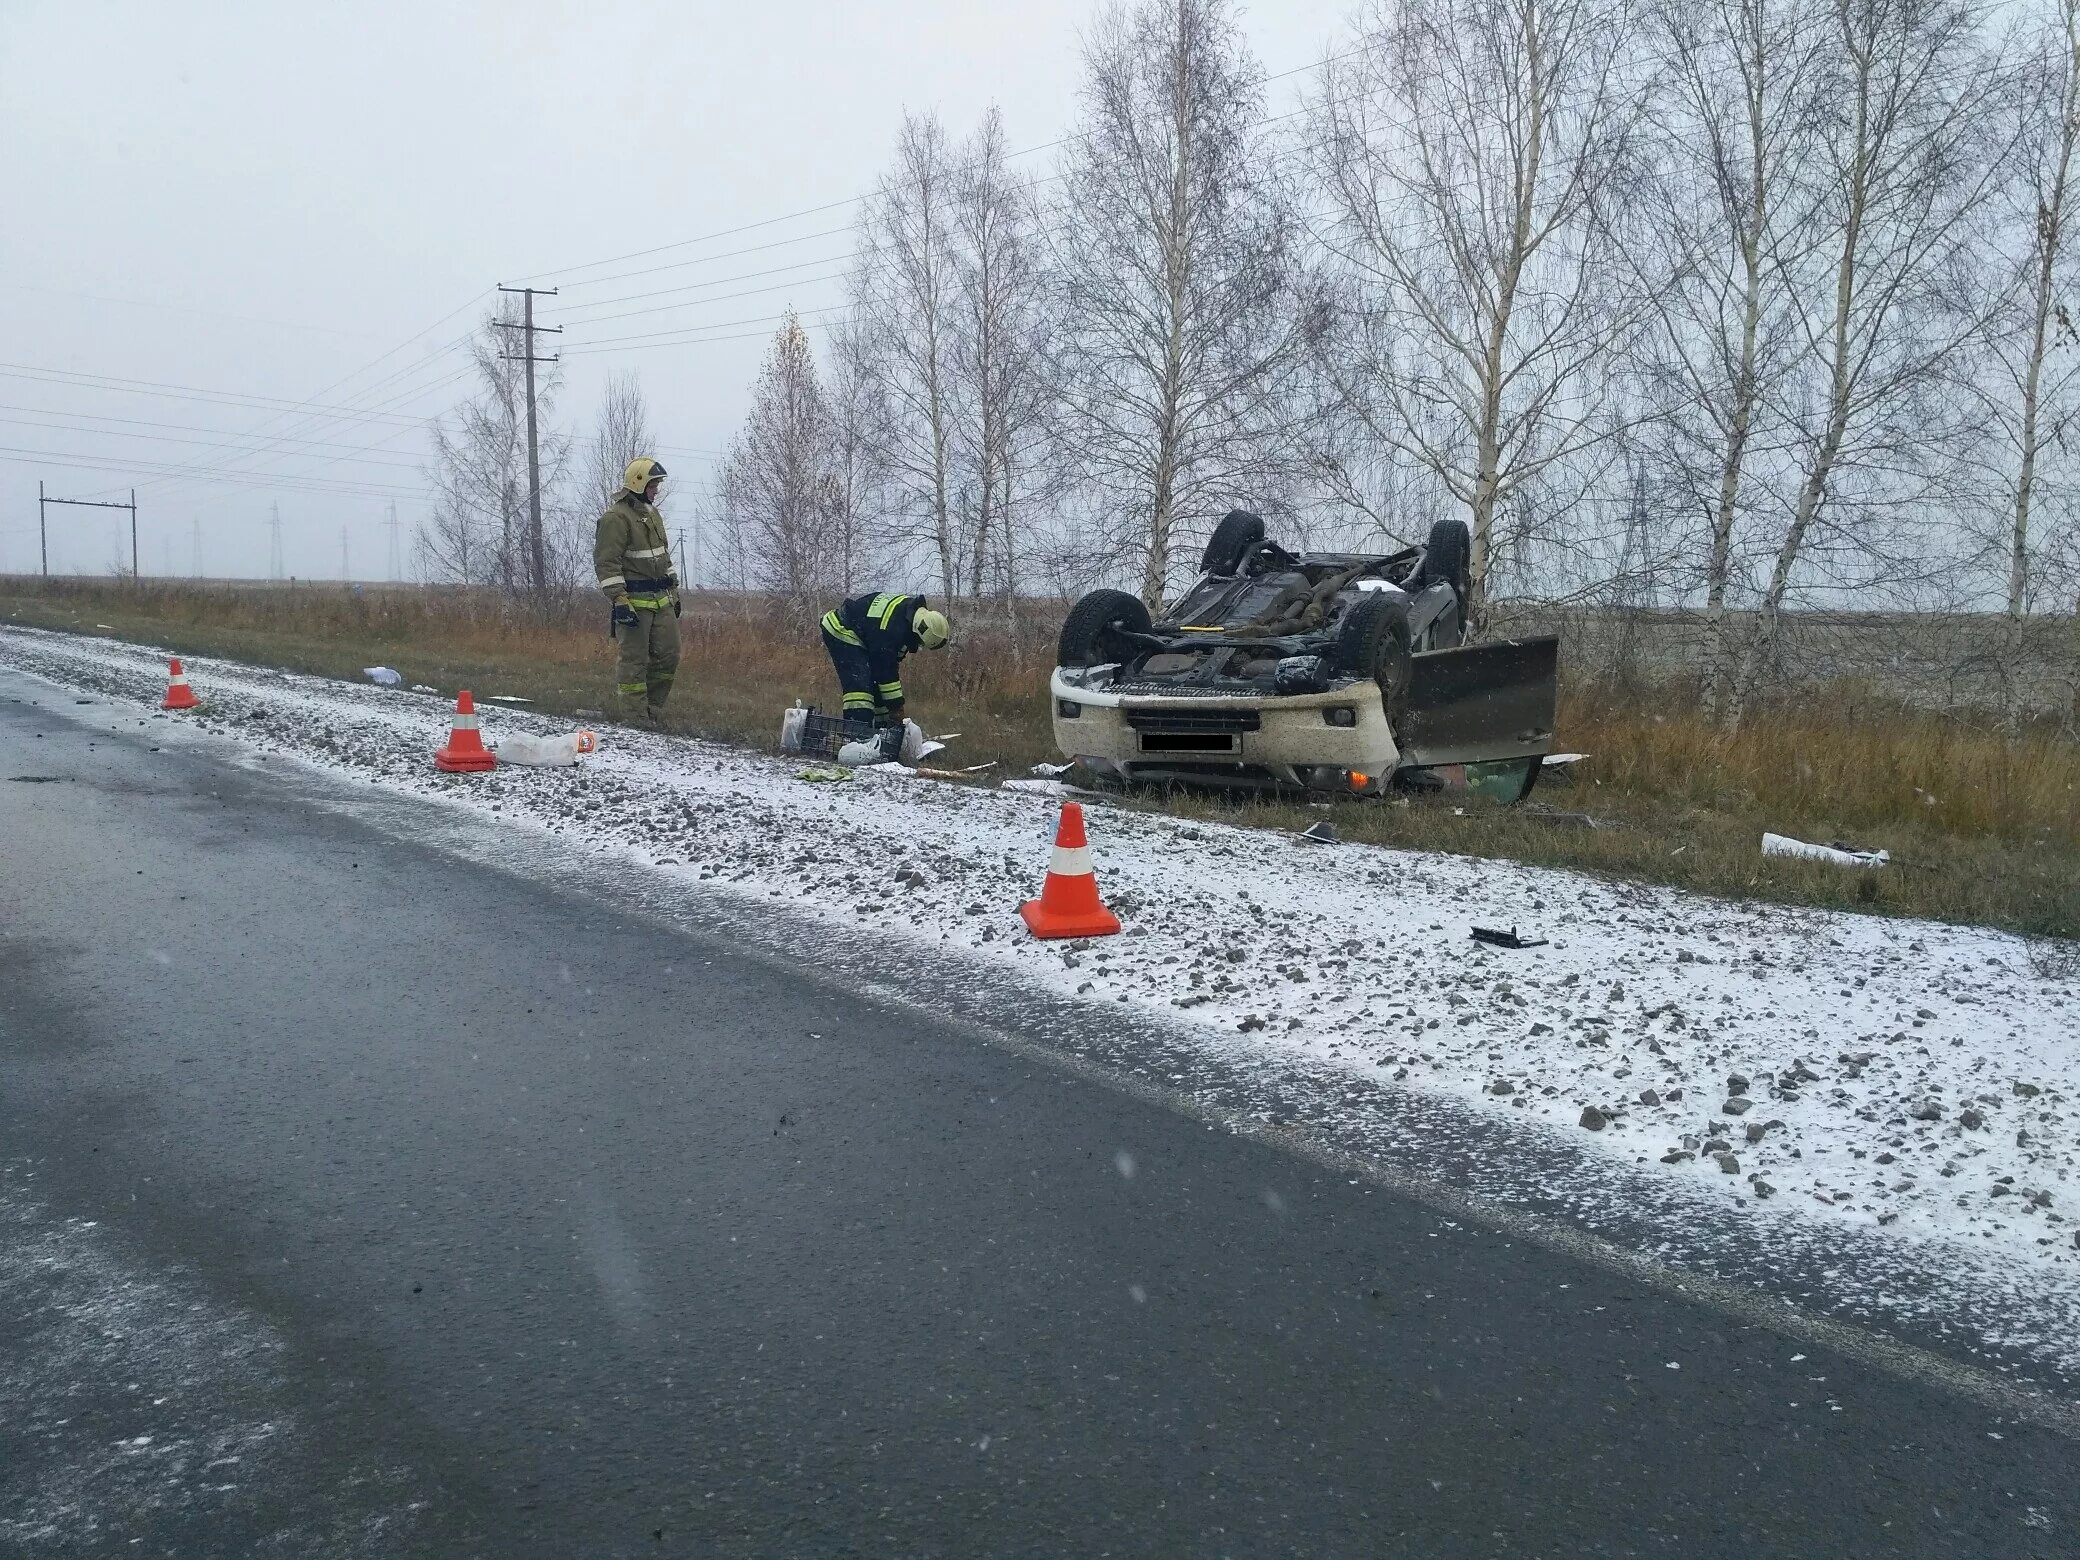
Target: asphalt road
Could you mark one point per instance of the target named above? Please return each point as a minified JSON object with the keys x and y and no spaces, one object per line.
{"x":511,"y":1224}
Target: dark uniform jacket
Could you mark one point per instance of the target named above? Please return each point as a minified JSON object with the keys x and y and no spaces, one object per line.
{"x":880,"y":625}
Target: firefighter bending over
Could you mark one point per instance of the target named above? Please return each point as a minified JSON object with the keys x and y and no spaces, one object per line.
{"x":867,"y":638}
{"x":633,"y":563}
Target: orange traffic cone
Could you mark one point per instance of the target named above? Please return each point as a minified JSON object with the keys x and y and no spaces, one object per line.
{"x":1068,"y":905}
{"x":465,"y":750}
{"x":179,"y":696}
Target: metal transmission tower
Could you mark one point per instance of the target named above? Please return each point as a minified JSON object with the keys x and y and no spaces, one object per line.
{"x":344,"y":575}
{"x":275,"y":570}
{"x":396,"y":548}
{"x":43,"y":532}
{"x":195,"y":568}
{"x":537,"y":558}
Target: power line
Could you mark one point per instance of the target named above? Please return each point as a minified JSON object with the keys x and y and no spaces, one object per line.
{"x":69,"y":427}
{"x":149,"y":387}
{"x":850,"y":200}
{"x":176,"y":308}
{"x":742,"y":276}
{"x":20,"y":455}
{"x":656,"y":340}
{"x":379,"y":358}
{"x":725,"y":254}
{"x":749,"y":335}
{"x":696,"y":303}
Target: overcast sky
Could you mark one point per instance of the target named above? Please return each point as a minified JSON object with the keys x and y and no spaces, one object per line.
{"x":308,"y":202}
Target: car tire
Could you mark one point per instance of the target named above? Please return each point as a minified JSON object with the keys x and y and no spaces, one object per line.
{"x":1232,"y":539}
{"x":1088,"y":633}
{"x":1448,"y":557}
{"x":1373,"y":641}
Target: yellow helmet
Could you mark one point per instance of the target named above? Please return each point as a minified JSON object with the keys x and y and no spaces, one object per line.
{"x":642,"y":471}
{"x":931,"y":628}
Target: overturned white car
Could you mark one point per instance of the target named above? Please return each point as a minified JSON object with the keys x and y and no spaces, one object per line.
{"x":1324,"y":671}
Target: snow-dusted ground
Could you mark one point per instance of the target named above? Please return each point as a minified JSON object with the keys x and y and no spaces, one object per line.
{"x":1913,"y":1078}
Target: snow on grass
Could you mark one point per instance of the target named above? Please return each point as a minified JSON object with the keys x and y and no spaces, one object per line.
{"x":1919,"y":1078}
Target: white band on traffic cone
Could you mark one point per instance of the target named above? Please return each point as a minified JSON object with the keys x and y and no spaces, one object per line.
{"x":1071,"y":861}
{"x":465,"y":723}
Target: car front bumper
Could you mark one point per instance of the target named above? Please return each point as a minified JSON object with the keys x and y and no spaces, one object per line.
{"x":1227,"y":738}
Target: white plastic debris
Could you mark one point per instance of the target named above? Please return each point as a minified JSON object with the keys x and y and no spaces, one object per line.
{"x":1782,"y":845}
{"x":388,"y":677}
{"x":1052,"y":770}
{"x":507,"y":698}
{"x":856,"y":754}
{"x":793,"y":722}
{"x":1562,"y":760}
{"x":553,"y":752}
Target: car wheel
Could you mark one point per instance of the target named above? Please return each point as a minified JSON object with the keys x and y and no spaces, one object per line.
{"x":1373,"y":641}
{"x":1448,"y":556}
{"x":1090,"y":633}
{"x":1237,"y":533}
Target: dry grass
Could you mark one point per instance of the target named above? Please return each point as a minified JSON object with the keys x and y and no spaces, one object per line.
{"x":1984,"y":827}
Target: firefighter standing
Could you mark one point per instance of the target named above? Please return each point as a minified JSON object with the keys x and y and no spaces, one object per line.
{"x":633,"y":562}
{"x":867,"y":638}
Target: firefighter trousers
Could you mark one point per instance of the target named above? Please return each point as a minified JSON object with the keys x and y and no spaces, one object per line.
{"x":649,"y":661}
{"x":855,"y":678}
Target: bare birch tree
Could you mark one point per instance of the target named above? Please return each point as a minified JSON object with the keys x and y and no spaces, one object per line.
{"x":776,"y":491}
{"x":620,"y":432}
{"x":856,"y":418}
{"x":1907,"y":160}
{"x":1725,"y":236}
{"x":1001,"y":386}
{"x":1180,"y":339}
{"x":2028,"y":377}
{"x":477,"y":531}
{"x":1470,"y":152}
{"x":904,"y":298}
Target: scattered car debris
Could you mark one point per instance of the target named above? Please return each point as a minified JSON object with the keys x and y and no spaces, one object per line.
{"x":1508,"y":939}
{"x":1557,"y":818}
{"x":544,"y":752}
{"x":822,"y":775}
{"x":1320,"y":833}
{"x":384,"y":676}
{"x":507,"y":698}
{"x":1051,"y":770}
{"x":423,"y":688}
{"x":1839,"y":855}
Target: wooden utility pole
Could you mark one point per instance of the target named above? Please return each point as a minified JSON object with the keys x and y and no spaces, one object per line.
{"x":43,"y":535}
{"x":537,"y":554}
